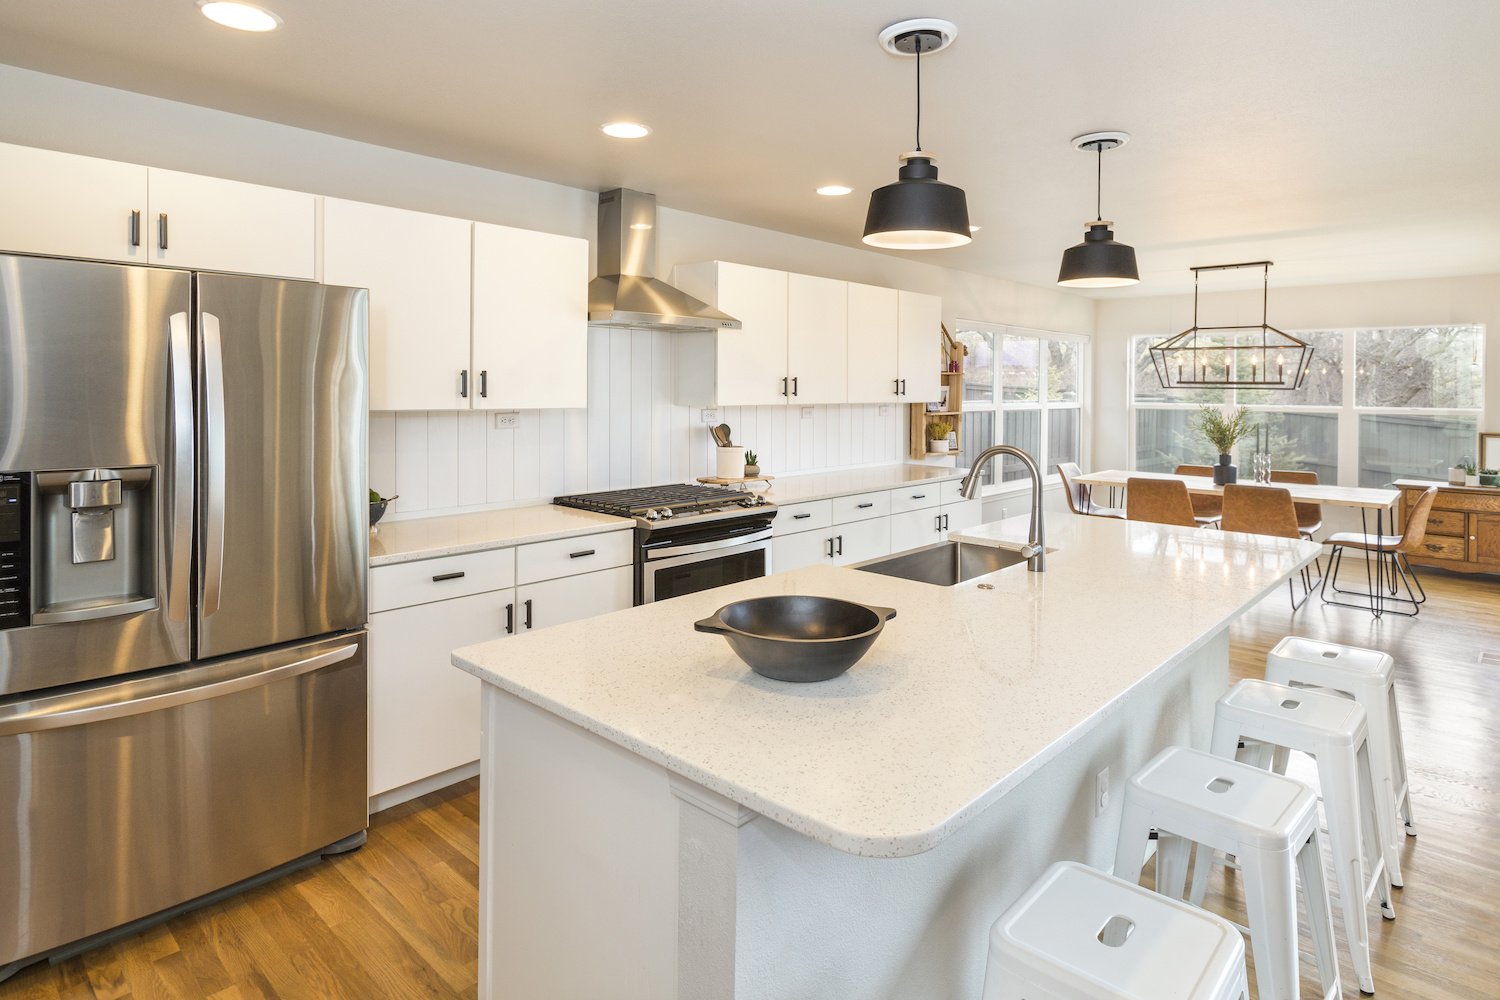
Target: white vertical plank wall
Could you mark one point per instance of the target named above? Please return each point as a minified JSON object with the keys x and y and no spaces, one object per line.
{"x":631,"y":434}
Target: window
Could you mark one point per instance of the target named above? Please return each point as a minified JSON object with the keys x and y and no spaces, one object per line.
{"x":1406,"y":403}
{"x":1025,"y":388}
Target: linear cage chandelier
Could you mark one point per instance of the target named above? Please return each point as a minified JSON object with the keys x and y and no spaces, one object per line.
{"x":1244,"y":355}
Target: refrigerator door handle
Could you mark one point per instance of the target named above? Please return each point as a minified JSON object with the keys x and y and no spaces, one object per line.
{"x":214,"y":444}
{"x":84,"y":708}
{"x":179,"y":352}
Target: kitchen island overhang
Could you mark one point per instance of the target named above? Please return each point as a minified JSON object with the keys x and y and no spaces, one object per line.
{"x":658,"y":821}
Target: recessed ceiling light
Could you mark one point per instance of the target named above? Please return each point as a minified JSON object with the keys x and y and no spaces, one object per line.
{"x":834,"y":190}
{"x":240,"y":16}
{"x":625,"y":130}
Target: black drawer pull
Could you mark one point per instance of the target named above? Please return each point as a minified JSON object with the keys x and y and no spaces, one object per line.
{"x":580,"y":555}
{"x":799,"y":517}
{"x":919,"y":496}
{"x":865,"y":506}
{"x":448,"y":576}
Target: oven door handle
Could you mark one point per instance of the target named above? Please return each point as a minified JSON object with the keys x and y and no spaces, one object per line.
{"x":743,"y":536}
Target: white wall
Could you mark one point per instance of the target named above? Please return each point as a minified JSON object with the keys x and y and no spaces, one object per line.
{"x":444,"y":460}
{"x":1474,"y":299}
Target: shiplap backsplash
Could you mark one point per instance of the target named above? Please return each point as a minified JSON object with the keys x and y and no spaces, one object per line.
{"x":631,"y":434}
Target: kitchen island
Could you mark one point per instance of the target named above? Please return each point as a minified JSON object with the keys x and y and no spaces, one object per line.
{"x":659,"y":822}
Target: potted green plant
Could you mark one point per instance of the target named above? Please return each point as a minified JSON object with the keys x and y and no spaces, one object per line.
{"x":1489,"y":477}
{"x":1223,"y":432}
{"x":1471,"y":474}
{"x":1456,"y":473}
{"x":937,"y":435}
{"x":752,"y":465}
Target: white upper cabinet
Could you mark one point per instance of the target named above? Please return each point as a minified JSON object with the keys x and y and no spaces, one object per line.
{"x":817,"y":343}
{"x":921,"y":332}
{"x":71,"y":206}
{"x":745,"y":367}
{"x":218,"y":225}
{"x":416,"y":267}
{"x":874,"y":369}
{"x":530,"y":347}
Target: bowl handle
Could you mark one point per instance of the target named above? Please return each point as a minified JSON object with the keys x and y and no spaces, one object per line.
{"x":886,"y":614}
{"x":712,"y":624}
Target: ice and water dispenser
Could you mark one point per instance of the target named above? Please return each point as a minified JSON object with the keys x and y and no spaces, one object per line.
{"x":76,"y":545}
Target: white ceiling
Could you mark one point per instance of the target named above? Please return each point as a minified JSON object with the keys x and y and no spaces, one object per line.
{"x":1345,"y":139}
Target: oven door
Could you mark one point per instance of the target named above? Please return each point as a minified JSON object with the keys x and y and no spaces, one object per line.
{"x":672,"y":570}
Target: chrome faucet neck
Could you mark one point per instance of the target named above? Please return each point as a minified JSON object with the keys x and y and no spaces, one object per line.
{"x":1036,"y":555}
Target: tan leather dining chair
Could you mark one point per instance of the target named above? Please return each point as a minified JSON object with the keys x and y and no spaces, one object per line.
{"x":1205,"y":508}
{"x":1265,"y":510}
{"x":1161,"y":501}
{"x":1080,"y":497}
{"x":1309,"y":515}
{"x":1380,"y":547}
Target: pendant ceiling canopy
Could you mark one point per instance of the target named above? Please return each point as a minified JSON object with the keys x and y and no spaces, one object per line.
{"x":918,"y":212}
{"x":1255,"y":356}
{"x":1099,"y":262}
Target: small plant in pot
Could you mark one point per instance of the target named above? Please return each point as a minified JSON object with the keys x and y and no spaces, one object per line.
{"x":937,"y":435}
{"x":752,"y":465}
{"x":1489,"y":477}
{"x":1456,"y":473}
{"x":1471,"y":473}
{"x":1224,"y":432}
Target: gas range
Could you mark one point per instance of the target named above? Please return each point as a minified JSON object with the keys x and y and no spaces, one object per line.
{"x":664,"y":506}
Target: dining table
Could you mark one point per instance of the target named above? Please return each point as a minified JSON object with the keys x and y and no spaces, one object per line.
{"x":1366,"y":499}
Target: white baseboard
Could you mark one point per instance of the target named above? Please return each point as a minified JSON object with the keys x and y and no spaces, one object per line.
{"x":416,"y":789}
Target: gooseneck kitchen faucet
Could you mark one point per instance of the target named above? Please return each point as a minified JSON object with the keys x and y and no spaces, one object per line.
{"x":1036,"y":547}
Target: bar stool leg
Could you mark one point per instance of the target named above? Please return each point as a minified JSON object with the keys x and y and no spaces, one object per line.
{"x":1398,"y":747}
{"x":1171,"y":864}
{"x":1130,"y":849}
{"x":1382,"y":762}
{"x":1378,"y":822}
{"x":1342,"y":805}
{"x":1319,"y":914}
{"x":1271,"y":901}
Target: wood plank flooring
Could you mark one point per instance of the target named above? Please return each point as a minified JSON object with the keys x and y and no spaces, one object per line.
{"x":399,"y":917}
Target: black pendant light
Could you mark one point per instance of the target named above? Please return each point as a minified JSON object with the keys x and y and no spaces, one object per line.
{"x":1098,"y":262}
{"x":918,"y":212}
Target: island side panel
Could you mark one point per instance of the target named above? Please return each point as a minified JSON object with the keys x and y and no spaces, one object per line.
{"x":815,"y":922}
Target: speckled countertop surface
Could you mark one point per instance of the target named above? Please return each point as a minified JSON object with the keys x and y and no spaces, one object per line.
{"x":430,"y":537}
{"x":966,"y":692}
{"x":822,"y":485}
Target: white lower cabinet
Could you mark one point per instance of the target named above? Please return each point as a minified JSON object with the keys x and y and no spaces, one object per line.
{"x":861,"y":540}
{"x":841,"y":543}
{"x":914,"y":528}
{"x":542,"y":605}
{"x":799,"y":551}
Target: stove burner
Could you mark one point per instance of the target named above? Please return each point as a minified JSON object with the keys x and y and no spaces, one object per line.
{"x":658,"y":503}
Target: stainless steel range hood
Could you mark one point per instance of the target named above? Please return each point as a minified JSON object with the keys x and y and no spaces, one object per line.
{"x":627,"y":291}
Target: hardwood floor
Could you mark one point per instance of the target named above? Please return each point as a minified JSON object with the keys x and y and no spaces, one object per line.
{"x":398,"y":918}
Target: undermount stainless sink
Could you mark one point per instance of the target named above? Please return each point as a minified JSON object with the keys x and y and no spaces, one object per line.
{"x":944,"y":564}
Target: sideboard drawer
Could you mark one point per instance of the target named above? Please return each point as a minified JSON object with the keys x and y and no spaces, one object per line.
{"x":1447,"y":522}
{"x":1444,"y":547}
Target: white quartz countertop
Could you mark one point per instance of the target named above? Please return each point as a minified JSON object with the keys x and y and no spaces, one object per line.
{"x":822,"y":485}
{"x":430,"y":537}
{"x":966,"y":692}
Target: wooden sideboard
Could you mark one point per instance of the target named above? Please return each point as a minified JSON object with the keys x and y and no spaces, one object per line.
{"x":1463,"y":533}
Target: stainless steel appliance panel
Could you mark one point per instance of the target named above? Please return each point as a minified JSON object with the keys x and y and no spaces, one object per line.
{"x":128,"y":797}
{"x":96,"y":374}
{"x":283,"y":505}
{"x":675,"y":570}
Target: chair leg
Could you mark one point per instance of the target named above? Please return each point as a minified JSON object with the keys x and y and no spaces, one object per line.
{"x":1411,"y":574}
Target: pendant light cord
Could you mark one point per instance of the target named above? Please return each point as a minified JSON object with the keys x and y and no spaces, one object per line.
{"x":1099,"y":183}
{"x":919,"y":93}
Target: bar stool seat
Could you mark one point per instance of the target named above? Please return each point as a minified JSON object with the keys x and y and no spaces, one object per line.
{"x":1334,"y":731}
{"x":1079,"y":934}
{"x":1269,"y":822}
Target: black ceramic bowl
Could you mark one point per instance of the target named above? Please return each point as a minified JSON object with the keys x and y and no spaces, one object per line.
{"x":377,"y":510}
{"x":798,"y":638}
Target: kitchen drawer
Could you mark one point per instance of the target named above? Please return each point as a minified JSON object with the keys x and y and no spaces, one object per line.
{"x":795,"y":517}
{"x":1447,"y":522}
{"x":1457,"y":500}
{"x":571,"y":556}
{"x":402,"y":585}
{"x":916,"y":497}
{"x":1443,"y":547}
{"x":861,"y":507}
{"x":952,"y":491}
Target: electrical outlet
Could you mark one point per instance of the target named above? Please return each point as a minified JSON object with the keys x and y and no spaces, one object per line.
{"x":504,"y":420}
{"x":884,"y":411}
{"x":1101,"y":792}
{"x":1004,"y":512}
{"x":807,"y":413}
{"x":710,"y":416}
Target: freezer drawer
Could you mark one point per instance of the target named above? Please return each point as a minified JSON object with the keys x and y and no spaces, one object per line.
{"x":124,"y":799}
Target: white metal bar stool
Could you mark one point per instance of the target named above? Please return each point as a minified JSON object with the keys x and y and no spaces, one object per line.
{"x":1269,"y":822}
{"x":1369,"y":677}
{"x":1079,"y":934}
{"x":1333,"y":730}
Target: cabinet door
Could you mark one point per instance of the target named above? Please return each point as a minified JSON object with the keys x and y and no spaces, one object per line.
{"x":424,"y":712}
{"x":531,"y":319}
{"x":861,"y":540}
{"x":874,"y":365}
{"x":1484,"y":539}
{"x":539,"y":605}
{"x":752,"y":361}
{"x":921,"y":334}
{"x":71,"y":206}
{"x":962,"y":515}
{"x":416,"y":267}
{"x":817,"y":340}
{"x":799,"y":551}
{"x":915,"y":528}
{"x":218,"y":225}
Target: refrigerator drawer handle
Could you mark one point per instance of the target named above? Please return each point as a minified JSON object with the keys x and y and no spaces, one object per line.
{"x":82,"y":715}
{"x":180,"y":352}
{"x":214,"y":441}
{"x":448,"y":576}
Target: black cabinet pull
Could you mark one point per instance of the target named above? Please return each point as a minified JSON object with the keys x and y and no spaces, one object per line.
{"x":798,"y":517}
{"x":841,"y":544}
{"x":463,"y":383}
{"x":830,"y":547}
{"x":794,"y":385}
{"x":903,"y":387}
{"x":161,"y":230}
{"x":135,"y":228}
{"x":510,"y":619}
{"x":945,"y":522}
{"x":783,"y":385}
{"x":865,"y":506}
{"x":580,"y":555}
{"x":919,"y":496}
{"x":448,"y":576}
{"x":528,"y":612}
{"x":484,"y":383}
{"x":898,"y":385}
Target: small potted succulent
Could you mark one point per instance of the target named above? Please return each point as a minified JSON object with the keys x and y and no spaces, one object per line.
{"x":752,"y":465}
{"x":1489,"y":477}
{"x":1456,"y":473}
{"x":1471,"y":473}
{"x":937,"y":435}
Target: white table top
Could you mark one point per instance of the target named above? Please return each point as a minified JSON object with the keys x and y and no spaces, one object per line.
{"x":1335,"y":496}
{"x":966,"y":693}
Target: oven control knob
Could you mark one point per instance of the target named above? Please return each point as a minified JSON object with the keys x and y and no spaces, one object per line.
{"x":665,"y":512}
{"x":651,"y":514}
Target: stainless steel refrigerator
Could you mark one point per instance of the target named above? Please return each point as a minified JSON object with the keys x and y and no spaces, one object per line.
{"x":183,"y":552}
